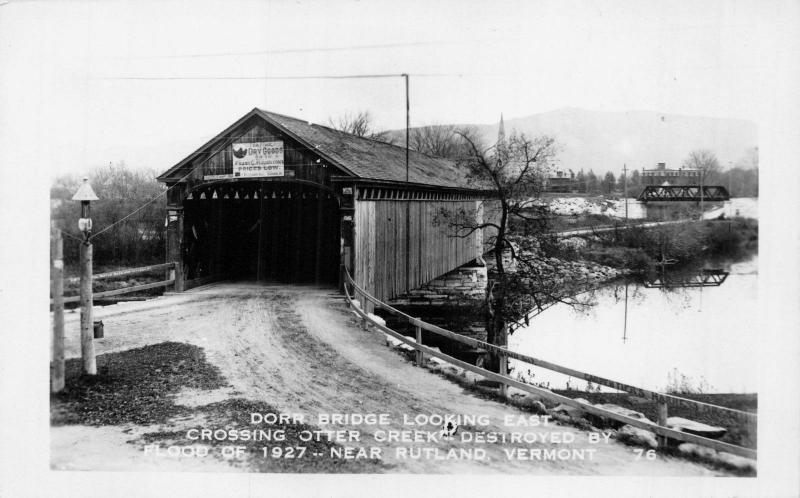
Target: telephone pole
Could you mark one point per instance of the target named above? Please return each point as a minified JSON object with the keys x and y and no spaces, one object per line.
{"x":625,"y":175}
{"x":702,"y":210}
{"x":408,"y":201}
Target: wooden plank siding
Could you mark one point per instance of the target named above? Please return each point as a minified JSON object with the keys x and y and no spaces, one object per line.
{"x":491,"y":214}
{"x":433,"y":248}
{"x":299,"y":162}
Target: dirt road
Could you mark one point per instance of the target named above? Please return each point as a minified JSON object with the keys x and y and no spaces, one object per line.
{"x":300,"y":350}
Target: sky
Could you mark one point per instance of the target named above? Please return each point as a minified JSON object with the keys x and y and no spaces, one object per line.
{"x":72,"y":70}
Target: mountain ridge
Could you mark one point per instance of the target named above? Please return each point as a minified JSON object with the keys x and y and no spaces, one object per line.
{"x":606,"y":140}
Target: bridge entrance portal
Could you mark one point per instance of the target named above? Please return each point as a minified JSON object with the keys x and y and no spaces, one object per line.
{"x":262,"y":230}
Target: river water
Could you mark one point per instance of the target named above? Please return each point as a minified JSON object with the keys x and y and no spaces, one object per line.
{"x":705,"y":338}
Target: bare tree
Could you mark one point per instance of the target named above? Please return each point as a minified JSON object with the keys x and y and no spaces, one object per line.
{"x":707,"y":161}
{"x":436,"y":140}
{"x":514,"y":173}
{"x":359,"y":124}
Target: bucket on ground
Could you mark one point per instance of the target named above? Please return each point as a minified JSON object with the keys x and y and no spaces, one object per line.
{"x":98,"y":330}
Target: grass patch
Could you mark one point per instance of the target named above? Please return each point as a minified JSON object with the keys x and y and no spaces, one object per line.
{"x":738,"y":432}
{"x":639,"y":248}
{"x":631,"y":258}
{"x":134,"y":386}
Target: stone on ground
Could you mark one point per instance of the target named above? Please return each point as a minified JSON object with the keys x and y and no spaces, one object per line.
{"x":636,"y":436}
{"x":623,"y":411}
{"x":696,"y":428}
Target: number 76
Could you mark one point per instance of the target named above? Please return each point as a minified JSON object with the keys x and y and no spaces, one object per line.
{"x":649,"y":454}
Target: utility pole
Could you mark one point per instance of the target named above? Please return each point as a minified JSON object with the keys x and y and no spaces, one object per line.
{"x":408,"y":120}
{"x":85,"y":194}
{"x":625,"y":325}
{"x":730,"y":193}
{"x":625,"y":175}
{"x":408,"y":200}
{"x":702,"y":210}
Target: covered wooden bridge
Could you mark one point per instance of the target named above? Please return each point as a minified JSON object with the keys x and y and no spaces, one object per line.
{"x":277,"y":198}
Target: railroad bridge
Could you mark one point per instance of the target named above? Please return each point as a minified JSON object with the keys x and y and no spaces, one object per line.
{"x":277,"y":198}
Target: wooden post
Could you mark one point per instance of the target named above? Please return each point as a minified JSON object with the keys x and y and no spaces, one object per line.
{"x":504,"y":372}
{"x":175,"y":247}
{"x":87,"y":320}
{"x":420,"y":356}
{"x":180,"y":279}
{"x":503,"y":360}
{"x":662,"y":421}
{"x":57,"y":288}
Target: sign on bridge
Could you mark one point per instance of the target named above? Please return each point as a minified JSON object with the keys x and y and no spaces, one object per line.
{"x":258,"y":159}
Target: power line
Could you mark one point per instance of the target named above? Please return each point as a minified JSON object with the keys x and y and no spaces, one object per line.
{"x":259,"y":78}
{"x":162,"y":194}
{"x":69,"y":234}
{"x":305,"y":50}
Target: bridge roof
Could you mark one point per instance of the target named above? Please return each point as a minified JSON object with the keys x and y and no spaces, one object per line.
{"x":360,"y":157}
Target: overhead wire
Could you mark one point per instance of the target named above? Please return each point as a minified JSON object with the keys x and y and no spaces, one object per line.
{"x":162,"y":194}
{"x":305,"y":50}
{"x":64,"y":232}
{"x":299,"y":77}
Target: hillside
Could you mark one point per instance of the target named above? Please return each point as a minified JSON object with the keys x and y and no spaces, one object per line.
{"x":602,"y":141}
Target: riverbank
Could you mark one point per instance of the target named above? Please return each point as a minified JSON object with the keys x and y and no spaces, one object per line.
{"x":642,"y":250}
{"x":738,"y":433}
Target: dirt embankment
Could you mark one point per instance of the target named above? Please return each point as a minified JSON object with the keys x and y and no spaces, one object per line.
{"x":290,"y":349}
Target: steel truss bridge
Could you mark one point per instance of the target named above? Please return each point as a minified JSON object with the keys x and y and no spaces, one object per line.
{"x":675,"y":193}
{"x":704,"y":278}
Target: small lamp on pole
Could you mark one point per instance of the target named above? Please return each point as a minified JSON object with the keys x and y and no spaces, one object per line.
{"x":85,"y":194}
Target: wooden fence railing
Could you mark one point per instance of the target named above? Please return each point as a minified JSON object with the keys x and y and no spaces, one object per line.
{"x":124,"y":273}
{"x":663,"y":400}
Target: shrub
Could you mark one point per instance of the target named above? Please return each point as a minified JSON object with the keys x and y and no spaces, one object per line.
{"x":139,"y":239}
{"x":631,"y":258}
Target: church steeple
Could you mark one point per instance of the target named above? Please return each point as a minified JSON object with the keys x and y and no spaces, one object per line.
{"x":501,"y":147}
{"x":501,"y":132}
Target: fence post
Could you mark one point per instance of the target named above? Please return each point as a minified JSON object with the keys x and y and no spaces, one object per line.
{"x":420,"y":356}
{"x":87,"y":321}
{"x":662,"y":420}
{"x":504,"y":372}
{"x":57,"y":289}
{"x":503,"y":359}
{"x":179,"y":277}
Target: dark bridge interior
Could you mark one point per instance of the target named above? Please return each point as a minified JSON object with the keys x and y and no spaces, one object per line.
{"x":270,"y":231}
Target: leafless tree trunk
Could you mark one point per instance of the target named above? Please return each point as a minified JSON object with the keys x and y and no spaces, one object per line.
{"x":359,"y":124}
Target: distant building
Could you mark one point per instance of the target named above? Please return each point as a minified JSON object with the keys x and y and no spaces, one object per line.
{"x":661,"y":175}
{"x":559,"y":180}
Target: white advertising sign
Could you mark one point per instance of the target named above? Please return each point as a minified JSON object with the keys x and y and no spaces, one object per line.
{"x":257,"y":159}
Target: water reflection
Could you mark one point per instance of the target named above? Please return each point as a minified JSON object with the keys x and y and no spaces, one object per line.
{"x":705,"y":277}
{"x":697,"y":323}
